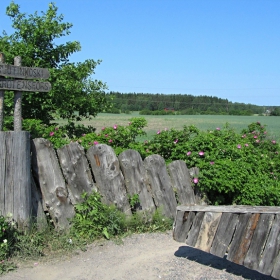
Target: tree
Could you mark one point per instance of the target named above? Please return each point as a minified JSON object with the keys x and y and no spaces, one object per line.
{"x":36,"y":40}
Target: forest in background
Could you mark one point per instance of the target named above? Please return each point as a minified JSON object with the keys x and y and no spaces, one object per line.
{"x":184,"y":104}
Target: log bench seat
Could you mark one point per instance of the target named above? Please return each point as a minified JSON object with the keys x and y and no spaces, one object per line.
{"x":247,"y":235}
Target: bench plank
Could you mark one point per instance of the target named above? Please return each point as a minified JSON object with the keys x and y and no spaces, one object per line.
{"x":271,"y":249}
{"x":184,"y":221}
{"x":224,"y":234}
{"x":260,"y":236}
{"x":242,"y":237}
{"x":207,"y":231}
{"x":193,"y":233}
{"x":230,"y":209}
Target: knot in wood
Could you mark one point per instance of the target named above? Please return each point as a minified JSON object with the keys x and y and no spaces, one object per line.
{"x":61,"y":194}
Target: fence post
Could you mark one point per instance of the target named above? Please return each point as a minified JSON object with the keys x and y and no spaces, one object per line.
{"x":2,"y":61}
{"x":17,"y":102}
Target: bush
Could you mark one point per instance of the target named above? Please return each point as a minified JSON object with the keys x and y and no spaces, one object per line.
{"x":234,"y":168}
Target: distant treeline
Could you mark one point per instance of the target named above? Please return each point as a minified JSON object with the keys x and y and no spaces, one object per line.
{"x":184,"y":104}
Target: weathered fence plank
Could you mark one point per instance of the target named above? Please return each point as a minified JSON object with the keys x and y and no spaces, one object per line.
{"x":181,"y":182}
{"x":224,"y":234}
{"x":207,"y":231}
{"x":108,"y":176}
{"x":47,"y":172}
{"x":136,"y":180}
{"x":76,"y":171}
{"x":37,"y":206}
{"x":15,"y":176}
{"x":161,"y":185}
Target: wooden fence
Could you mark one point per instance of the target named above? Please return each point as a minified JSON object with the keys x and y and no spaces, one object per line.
{"x":60,"y":176}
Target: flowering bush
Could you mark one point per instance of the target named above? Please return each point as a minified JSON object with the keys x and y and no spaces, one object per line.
{"x":234,"y":168}
{"x":7,"y":239}
{"x":119,"y":137}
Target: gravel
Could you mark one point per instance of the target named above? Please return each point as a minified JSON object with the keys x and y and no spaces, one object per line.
{"x":140,"y":256}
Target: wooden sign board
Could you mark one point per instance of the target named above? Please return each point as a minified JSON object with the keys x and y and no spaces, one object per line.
{"x":24,"y":72}
{"x":25,"y":85}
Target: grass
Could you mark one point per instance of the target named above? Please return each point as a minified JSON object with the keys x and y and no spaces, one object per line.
{"x":203,"y":122}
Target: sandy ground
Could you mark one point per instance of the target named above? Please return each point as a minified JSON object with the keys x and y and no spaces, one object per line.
{"x":141,"y":256}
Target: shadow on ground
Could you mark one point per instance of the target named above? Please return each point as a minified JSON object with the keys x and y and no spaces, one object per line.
{"x":219,"y":263}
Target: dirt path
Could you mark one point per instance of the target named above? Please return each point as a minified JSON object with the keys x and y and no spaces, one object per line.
{"x":141,"y":256}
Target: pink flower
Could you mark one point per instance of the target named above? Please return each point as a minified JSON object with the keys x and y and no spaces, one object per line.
{"x":158,"y":132}
{"x":95,"y":142}
{"x":255,"y":136}
{"x":52,"y":133}
{"x":56,"y":128}
{"x":246,"y":145}
{"x":212,"y":162}
{"x":195,"y":180}
{"x":253,"y":132}
{"x":103,"y":128}
{"x":273,"y":142}
{"x":110,"y":141}
{"x":106,"y":135}
{"x":201,"y":153}
{"x":115,"y":126}
{"x":189,"y":153}
{"x":175,"y":142}
{"x":258,"y":141}
{"x":218,"y":128}
{"x":83,"y":134}
{"x":238,"y":146}
{"x":264,"y":132}
{"x":244,"y":136}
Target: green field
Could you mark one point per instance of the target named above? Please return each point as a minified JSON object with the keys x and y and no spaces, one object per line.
{"x":203,"y":122}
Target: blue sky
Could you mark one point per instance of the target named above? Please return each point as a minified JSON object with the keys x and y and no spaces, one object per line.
{"x":224,"y":48}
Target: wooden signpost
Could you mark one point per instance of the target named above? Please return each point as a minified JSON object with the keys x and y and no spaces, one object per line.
{"x":15,"y":162}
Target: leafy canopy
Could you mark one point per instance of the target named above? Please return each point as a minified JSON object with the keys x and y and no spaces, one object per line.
{"x":36,"y":40}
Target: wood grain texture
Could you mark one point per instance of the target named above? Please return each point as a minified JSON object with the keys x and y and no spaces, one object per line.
{"x":181,"y":182}
{"x":207,"y":231}
{"x":15,"y":176}
{"x":258,"y":241}
{"x":47,"y":173}
{"x":271,"y":250}
{"x":76,"y":171}
{"x":242,"y":238}
{"x":230,"y":209}
{"x":161,"y":186}
{"x":108,"y":176}
{"x":182,"y":225}
{"x":194,"y":231}
{"x":224,"y":234}
{"x":136,"y":180}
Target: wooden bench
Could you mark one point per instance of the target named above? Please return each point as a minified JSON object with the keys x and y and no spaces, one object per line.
{"x":247,"y":235}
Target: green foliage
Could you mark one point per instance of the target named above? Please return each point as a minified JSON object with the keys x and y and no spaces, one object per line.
{"x":141,"y":222}
{"x":35,"y":39}
{"x":134,"y":202}
{"x":234,"y":168}
{"x":7,"y":239}
{"x":93,"y":219}
{"x":119,"y":137}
